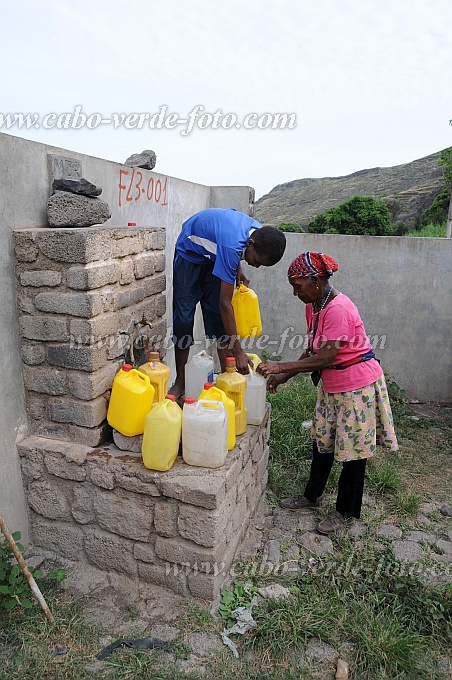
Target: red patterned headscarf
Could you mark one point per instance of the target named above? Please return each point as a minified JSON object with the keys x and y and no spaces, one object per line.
{"x":312,"y":264}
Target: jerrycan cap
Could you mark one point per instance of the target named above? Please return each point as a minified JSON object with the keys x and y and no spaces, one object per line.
{"x":127,"y":367}
{"x":190,"y":400}
{"x":154,"y":356}
{"x":208,"y":385}
{"x":171,"y":397}
{"x":230,"y":364}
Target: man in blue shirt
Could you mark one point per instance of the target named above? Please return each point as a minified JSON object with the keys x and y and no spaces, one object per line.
{"x":206,"y":269}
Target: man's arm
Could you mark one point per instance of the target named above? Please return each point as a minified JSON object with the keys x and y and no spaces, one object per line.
{"x":241,"y":277}
{"x":227,"y":315}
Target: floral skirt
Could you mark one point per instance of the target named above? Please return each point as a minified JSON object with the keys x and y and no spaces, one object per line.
{"x":350,"y":424}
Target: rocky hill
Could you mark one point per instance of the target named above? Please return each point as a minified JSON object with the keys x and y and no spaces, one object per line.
{"x":410,"y":188}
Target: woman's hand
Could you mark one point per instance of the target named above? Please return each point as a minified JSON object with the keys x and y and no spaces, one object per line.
{"x":275,"y":381}
{"x":267,"y":368}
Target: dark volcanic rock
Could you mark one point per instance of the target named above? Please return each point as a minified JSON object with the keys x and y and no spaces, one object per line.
{"x":146,"y":159}
{"x":76,"y":186}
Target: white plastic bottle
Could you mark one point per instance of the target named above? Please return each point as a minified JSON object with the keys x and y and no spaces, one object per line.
{"x":198,"y":371}
{"x":255,"y":398}
{"x":204,"y":433}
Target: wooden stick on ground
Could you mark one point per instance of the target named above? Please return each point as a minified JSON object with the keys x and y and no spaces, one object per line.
{"x":32,"y":583}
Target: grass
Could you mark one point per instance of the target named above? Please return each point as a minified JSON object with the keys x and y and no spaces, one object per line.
{"x":430,"y":230}
{"x":395,"y":624}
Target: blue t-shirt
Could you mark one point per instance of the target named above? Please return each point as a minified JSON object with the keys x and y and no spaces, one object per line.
{"x":218,"y":235}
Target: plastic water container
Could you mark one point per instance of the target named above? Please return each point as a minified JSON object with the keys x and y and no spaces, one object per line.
{"x":255,"y":398}
{"x":255,"y":359}
{"x":158,"y":374}
{"x":162,"y":433}
{"x":131,"y":400}
{"x":233,"y":385}
{"x":204,"y":433}
{"x":198,"y":371}
{"x":213,"y":393}
{"x":246,"y":312}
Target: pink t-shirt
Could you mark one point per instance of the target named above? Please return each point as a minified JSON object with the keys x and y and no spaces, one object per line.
{"x":340,"y":321}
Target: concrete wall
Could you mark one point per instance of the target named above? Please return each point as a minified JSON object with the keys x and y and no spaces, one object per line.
{"x":141,"y":196}
{"x":403,"y":290}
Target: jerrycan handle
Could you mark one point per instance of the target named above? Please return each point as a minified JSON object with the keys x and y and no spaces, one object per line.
{"x":243,"y":288}
{"x":141,"y":376}
{"x":207,"y":403}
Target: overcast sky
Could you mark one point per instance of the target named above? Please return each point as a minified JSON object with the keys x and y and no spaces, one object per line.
{"x":369,"y":81}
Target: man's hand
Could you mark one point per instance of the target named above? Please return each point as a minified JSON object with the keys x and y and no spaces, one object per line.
{"x":241,"y":278}
{"x":242,"y":362}
{"x":275,"y":381}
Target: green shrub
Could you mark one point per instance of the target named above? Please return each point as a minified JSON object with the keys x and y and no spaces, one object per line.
{"x":437,"y":212}
{"x":293,"y":227}
{"x":360,"y":215}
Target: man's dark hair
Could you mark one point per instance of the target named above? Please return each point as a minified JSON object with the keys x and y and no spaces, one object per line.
{"x":270,"y":242}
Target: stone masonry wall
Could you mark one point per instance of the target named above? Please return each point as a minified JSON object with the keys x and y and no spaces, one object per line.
{"x":179,"y":529}
{"x":77,"y":290}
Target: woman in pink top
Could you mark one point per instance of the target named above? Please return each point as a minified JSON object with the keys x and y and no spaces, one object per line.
{"x":352,"y":407}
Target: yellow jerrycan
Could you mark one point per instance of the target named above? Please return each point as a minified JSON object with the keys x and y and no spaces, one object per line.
{"x":162,"y":434}
{"x":131,"y":400}
{"x":246,"y":312}
{"x":213,"y":393}
{"x":233,"y":385}
{"x":255,"y":359}
{"x":158,"y":375}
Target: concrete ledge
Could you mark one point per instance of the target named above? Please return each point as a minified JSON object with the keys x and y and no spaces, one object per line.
{"x":179,"y":529}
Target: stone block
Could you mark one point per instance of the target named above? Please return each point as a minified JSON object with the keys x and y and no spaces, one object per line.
{"x":44,"y":328}
{"x":125,"y":244}
{"x":144,"y":264}
{"x":153,"y":284}
{"x":160,"y":304}
{"x":165,"y":518}
{"x":154,"y":239}
{"x":36,"y":406}
{"x":60,"y":466}
{"x":160,"y":262}
{"x":92,"y":331}
{"x":78,"y":246}
{"x":82,"y":505}
{"x":185,"y":552}
{"x":81,"y":358}
{"x":32,"y":466}
{"x":205,"y":587}
{"x":33,"y":354}
{"x":128,"y":297}
{"x":45,"y":380}
{"x":25,"y":246}
{"x":206,"y":491}
{"x":164,"y":575}
{"x":40,"y":278}
{"x":126,"y":514}
{"x":62,"y":539}
{"x":204,"y":527}
{"x":88,"y":436}
{"x":78,"y":412}
{"x":109,"y":552}
{"x":145,"y":552}
{"x":91,"y":385}
{"x":235,"y":469}
{"x":93,"y":275}
{"x":49,"y":499}
{"x":65,"y":209}
{"x":127,"y":271}
{"x":99,"y":474}
{"x":131,"y":478}
{"x":85,"y":304}
{"x":25,"y":301}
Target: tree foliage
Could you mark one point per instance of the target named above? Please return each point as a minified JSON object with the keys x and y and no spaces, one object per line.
{"x":361,"y":215}
{"x":446,"y":160}
{"x":290,"y":227}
